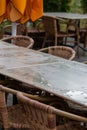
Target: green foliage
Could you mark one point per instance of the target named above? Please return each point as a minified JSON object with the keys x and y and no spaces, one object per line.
{"x":4,"y":23}
{"x":75,"y":6}
{"x":84,"y":5}
{"x":56,"y":5}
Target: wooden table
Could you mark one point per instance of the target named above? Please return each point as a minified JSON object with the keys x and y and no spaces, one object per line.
{"x":63,"y":78}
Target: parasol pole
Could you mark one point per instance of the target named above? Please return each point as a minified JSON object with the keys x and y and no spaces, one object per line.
{"x":14,"y":29}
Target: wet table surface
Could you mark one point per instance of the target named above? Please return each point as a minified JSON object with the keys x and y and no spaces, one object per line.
{"x":67,"y":15}
{"x":67,"y":79}
{"x":12,"y":56}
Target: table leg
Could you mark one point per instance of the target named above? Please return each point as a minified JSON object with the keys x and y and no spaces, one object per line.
{"x":85,"y":43}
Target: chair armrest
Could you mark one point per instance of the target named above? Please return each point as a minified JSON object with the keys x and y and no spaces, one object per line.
{"x":70,"y":115}
{"x":7,"y":38}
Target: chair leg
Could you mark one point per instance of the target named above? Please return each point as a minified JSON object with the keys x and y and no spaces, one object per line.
{"x":14,"y":100}
{"x":44,"y":41}
{"x":65,"y":41}
{"x":85,"y":43}
{"x":1,"y":128}
{"x":78,"y":41}
{"x":56,"y":41}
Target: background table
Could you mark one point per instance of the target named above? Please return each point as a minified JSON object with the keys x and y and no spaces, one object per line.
{"x":66,"y":15}
{"x":71,"y":16}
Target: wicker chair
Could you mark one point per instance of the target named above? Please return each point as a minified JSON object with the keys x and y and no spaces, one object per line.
{"x":12,"y":116}
{"x":44,"y":116}
{"x":83,"y":38}
{"x":19,"y":40}
{"x":61,"y":51}
{"x":21,"y":30}
{"x":52,"y":29}
{"x":31,"y":114}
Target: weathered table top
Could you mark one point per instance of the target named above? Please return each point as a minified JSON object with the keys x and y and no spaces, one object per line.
{"x":67,"y":79}
{"x":12,"y":56}
{"x":67,"y":15}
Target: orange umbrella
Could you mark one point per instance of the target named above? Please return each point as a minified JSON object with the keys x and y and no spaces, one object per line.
{"x":36,"y":10}
{"x":2,"y":9}
{"x":24,"y":10}
{"x":33,"y":11}
{"x":15,"y":10}
{"x":21,"y":11}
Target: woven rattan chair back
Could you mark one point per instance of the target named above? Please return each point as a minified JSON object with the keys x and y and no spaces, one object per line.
{"x":38,"y":115}
{"x":60,"y":51}
{"x":50,"y":25}
{"x":21,"y":29}
{"x":33,"y":115}
{"x":11,"y":116}
{"x":42,"y":116}
{"x":23,"y":41}
{"x":3,"y":110}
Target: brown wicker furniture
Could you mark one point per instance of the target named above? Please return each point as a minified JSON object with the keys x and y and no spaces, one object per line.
{"x":61,"y":51}
{"x":51,"y":29}
{"x":47,"y":115}
{"x":31,"y":114}
{"x":12,"y":116}
{"x":82,"y":33}
{"x":83,"y":38}
{"x":21,"y":29}
{"x":19,"y":40}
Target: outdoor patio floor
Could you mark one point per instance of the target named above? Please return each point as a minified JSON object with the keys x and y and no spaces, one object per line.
{"x":82,"y":56}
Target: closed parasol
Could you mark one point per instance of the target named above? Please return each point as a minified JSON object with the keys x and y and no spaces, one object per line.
{"x":21,"y":11}
{"x":2,"y":9}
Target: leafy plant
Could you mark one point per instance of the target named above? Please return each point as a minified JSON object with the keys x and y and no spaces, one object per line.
{"x":4,"y":23}
{"x":56,"y":5}
{"x":75,"y":6}
{"x":84,"y":5}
